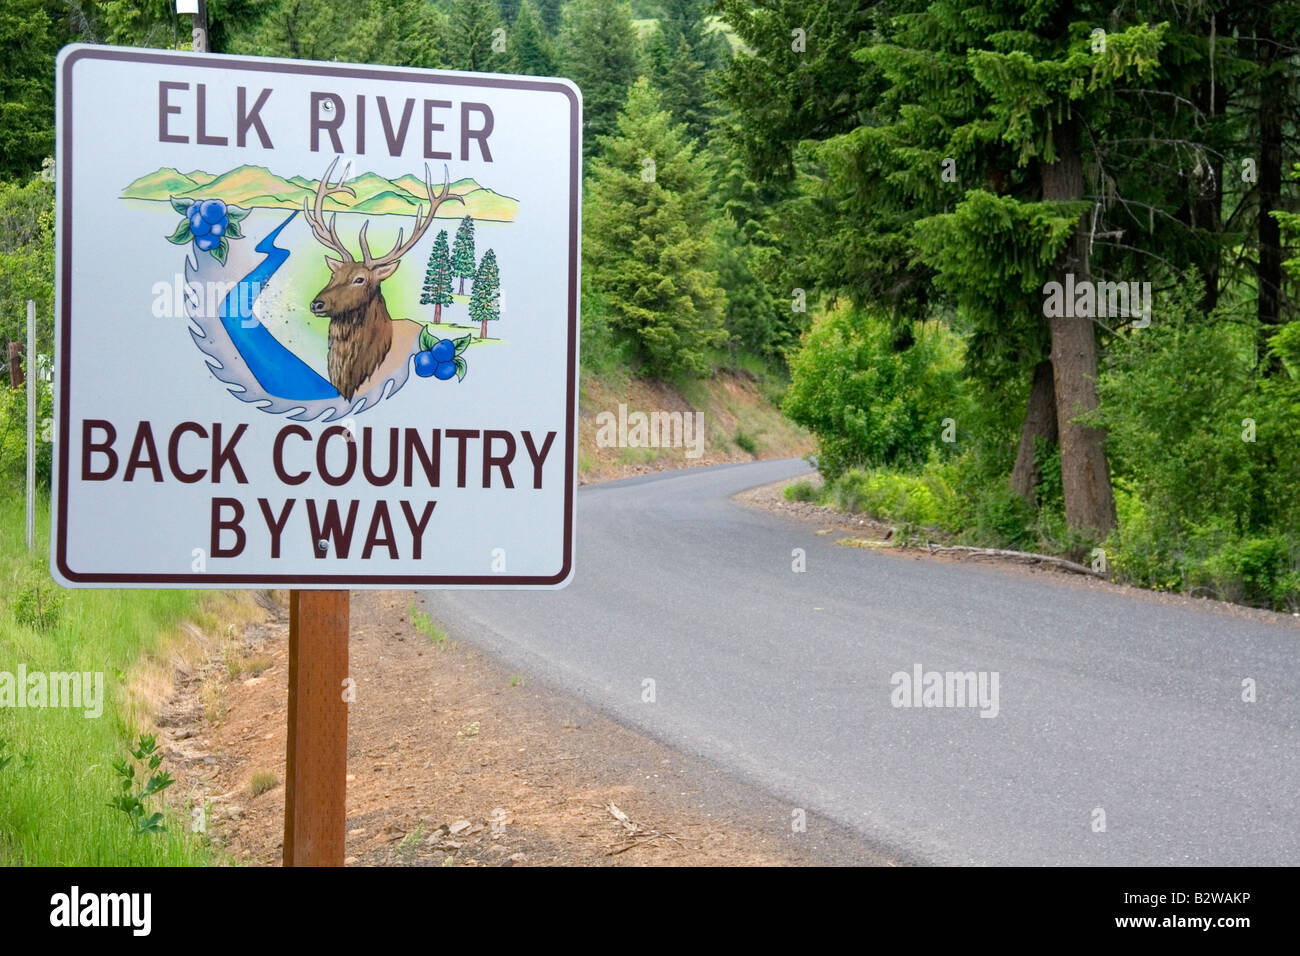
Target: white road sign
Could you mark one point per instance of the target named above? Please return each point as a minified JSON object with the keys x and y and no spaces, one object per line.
{"x":317,"y":324}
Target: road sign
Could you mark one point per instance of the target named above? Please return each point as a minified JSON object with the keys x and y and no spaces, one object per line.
{"x":317,"y":324}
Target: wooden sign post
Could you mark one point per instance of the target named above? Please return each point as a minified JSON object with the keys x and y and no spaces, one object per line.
{"x":315,"y":783}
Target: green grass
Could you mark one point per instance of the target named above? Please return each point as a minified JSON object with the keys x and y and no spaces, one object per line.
{"x":424,"y":624}
{"x":262,"y":781}
{"x":55,"y":789}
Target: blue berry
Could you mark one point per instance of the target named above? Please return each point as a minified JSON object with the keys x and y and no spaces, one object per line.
{"x":444,"y":351}
{"x":445,"y":370}
{"x":207,"y":243}
{"x":425,"y":364}
{"x":213,"y":210}
{"x":217,"y":229}
{"x":200,"y":228}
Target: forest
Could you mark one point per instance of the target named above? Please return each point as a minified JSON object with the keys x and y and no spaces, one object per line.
{"x":1026,"y":270}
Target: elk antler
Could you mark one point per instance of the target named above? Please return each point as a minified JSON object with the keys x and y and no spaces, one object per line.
{"x":325,"y":233}
{"x":421,"y":225}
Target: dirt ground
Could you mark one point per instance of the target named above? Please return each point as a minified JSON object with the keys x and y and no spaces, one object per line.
{"x":453,"y":761}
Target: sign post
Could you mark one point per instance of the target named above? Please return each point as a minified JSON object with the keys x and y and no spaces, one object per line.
{"x":284,"y":355}
{"x":315,"y":783}
{"x":31,"y":426}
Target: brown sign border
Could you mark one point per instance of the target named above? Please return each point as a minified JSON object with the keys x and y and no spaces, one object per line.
{"x":312,"y":68}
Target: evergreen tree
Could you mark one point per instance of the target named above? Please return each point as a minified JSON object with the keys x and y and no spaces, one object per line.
{"x":952,"y":150}
{"x":648,"y":241}
{"x":437,"y":278}
{"x":531,"y":52}
{"x":550,"y":11}
{"x":682,"y":54}
{"x":470,"y":37}
{"x":462,"y":252}
{"x":28,"y":43}
{"x":597,"y":49}
{"x":485,"y":301}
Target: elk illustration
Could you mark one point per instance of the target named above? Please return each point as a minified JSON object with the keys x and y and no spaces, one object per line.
{"x":366,"y":344}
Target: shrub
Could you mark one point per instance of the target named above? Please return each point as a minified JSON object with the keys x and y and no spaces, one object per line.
{"x":802,"y":490}
{"x":874,"y":393}
{"x":909,"y":499}
{"x":38,"y":605}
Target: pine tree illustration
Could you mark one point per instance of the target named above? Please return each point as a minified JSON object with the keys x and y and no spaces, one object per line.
{"x":437,"y":278}
{"x":462,"y":252}
{"x":485,"y":301}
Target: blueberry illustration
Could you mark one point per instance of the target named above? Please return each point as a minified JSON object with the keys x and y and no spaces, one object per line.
{"x":425,"y":364}
{"x":444,"y":351}
{"x":200,"y":228}
{"x":217,"y":229}
{"x":207,"y":243}
{"x":445,"y":370}
{"x":213,"y":210}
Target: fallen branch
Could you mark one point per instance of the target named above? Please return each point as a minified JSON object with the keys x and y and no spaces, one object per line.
{"x":1024,"y":556}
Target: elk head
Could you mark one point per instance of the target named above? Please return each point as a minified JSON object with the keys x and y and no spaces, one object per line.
{"x":360,"y":326}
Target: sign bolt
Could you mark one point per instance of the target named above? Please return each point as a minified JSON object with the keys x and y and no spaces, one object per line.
{"x":322,"y":545}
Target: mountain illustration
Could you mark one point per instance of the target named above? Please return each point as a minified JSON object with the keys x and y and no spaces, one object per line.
{"x":257,"y":187}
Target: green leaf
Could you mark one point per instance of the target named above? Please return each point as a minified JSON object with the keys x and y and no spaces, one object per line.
{"x":151,"y":824}
{"x":232,"y":230}
{"x":461,"y":368}
{"x":462,"y":343}
{"x":182,"y":206}
{"x":427,"y":338}
{"x":157,"y":783}
{"x":221,"y":251}
{"x":236,"y":213}
{"x":182,"y":234}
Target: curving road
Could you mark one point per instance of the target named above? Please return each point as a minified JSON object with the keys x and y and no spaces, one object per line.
{"x":1107,"y":703}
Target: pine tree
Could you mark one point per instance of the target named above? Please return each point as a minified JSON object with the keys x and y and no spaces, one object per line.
{"x":648,"y":240}
{"x":462,"y":252}
{"x":597,"y":49}
{"x":437,"y":278}
{"x":530,"y":48}
{"x":550,"y":11}
{"x":485,"y":301}
{"x":470,"y":38}
{"x":683,"y":53}
{"x":950,"y":171}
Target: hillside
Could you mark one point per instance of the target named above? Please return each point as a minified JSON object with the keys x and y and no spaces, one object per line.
{"x":258,"y":187}
{"x":740,"y":423}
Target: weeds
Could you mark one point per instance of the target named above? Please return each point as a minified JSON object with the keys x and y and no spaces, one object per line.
{"x":424,"y":624}
{"x":146,"y":758}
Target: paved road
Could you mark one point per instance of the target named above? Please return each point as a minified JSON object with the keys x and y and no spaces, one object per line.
{"x":1105,"y":700}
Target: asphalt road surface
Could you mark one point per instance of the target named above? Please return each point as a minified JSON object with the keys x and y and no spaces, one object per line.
{"x":1112,"y":710}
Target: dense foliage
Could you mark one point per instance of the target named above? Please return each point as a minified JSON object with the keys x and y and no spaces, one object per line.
{"x":873,"y":197}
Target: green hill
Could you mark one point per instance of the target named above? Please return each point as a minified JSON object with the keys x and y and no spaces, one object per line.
{"x":258,"y":187}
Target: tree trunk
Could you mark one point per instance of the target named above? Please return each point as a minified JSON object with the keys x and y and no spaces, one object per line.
{"x":1085,"y":474}
{"x":1040,"y":422}
{"x":1207,"y":206}
{"x":482,"y":332}
{"x":437,"y":313}
{"x":462,"y":285}
{"x":1269,"y":276}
